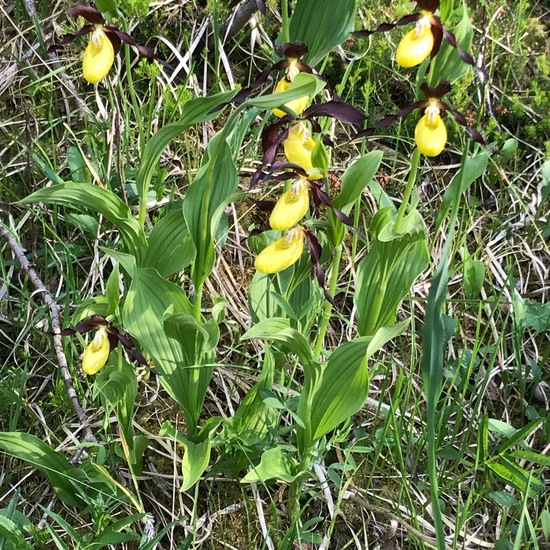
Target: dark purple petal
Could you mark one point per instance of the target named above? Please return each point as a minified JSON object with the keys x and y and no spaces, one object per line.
{"x":113,"y":38}
{"x":305,"y":68}
{"x":465,"y":56}
{"x":315,"y":249}
{"x":340,"y":110}
{"x":438,"y":91}
{"x":271,"y":141}
{"x":458,"y":116}
{"x":68,"y":38}
{"x":437,"y":32}
{"x":261,"y":6}
{"x":474,"y":134}
{"x":385,"y":27}
{"x":113,"y":338}
{"x":293,"y":50}
{"x":90,"y":14}
{"x":428,"y":5}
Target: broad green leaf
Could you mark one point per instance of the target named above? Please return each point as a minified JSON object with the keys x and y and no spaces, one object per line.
{"x":171,"y":248}
{"x":275,"y":464}
{"x":51,"y":463}
{"x":77,"y":166}
{"x":504,"y":499}
{"x":147,"y":301}
{"x":386,"y":274}
{"x":531,"y":456}
{"x":483,"y":439}
{"x":516,"y":476}
{"x":112,"y":291}
{"x":196,"y":455}
{"x":302,"y":85}
{"x":254,"y":417}
{"x":344,"y":383}
{"x":84,"y":196}
{"x":472,"y":170}
{"x":322,"y":25}
{"x":500,"y":427}
{"x":11,"y":532}
{"x":519,"y":436}
{"x":473,"y":277}
{"x":196,"y":362}
{"x":127,"y":261}
{"x":196,"y":111}
{"x":195,"y":461}
{"x":356,"y":179}
{"x":278,"y":330}
{"x":214,"y":184}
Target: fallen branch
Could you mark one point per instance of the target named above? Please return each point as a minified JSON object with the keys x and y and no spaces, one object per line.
{"x":47,"y":298}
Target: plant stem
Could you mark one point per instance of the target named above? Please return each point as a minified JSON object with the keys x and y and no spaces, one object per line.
{"x":286,"y":20}
{"x":408,"y":190}
{"x":197,"y":304}
{"x":328,"y":306}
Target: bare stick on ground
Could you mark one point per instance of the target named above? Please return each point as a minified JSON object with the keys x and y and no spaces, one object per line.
{"x":19,"y":253}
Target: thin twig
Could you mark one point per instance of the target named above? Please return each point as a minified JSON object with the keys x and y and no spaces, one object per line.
{"x":19,"y":253}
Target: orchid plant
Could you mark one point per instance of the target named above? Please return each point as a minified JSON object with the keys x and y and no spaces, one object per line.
{"x":181,"y":337}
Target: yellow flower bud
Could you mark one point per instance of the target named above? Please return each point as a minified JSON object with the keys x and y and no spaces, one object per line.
{"x":99,"y":56}
{"x":430,"y":134}
{"x":96,"y":354}
{"x":416,"y":45}
{"x":298,"y":146}
{"x":282,"y":253}
{"x":297,"y":105}
{"x":291,"y":207}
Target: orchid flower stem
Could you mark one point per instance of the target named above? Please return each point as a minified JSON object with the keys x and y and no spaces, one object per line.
{"x":197,"y":305}
{"x":328,"y":306}
{"x":408,"y":190}
{"x":286,"y":20}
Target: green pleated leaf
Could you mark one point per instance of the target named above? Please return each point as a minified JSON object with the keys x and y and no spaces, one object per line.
{"x":278,"y":330}
{"x":147,"y":301}
{"x":302,"y":85}
{"x":274,"y":464}
{"x":516,"y":476}
{"x":196,"y":111}
{"x":171,"y":248}
{"x":344,"y":383}
{"x":386,"y":274}
{"x":531,"y":456}
{"x":11,"y":532}
{"x":322,"y":25}
{"x":356,"y":178}
{"x":203,"y":205}
{"x":64,"y":478}
{"x":84,"y":196}
{"x":196,"y":457}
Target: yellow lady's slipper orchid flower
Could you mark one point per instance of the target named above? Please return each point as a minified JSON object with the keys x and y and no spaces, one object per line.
{"x":430,"y":133}
{"x":282,"y":253}
{"x":96,"y":354}
{"x":299,"y":146}
{"x":297,"y":105}
{"x":416,"y":45}
{"x":99,"y":56}
{"x":291,"y":207}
